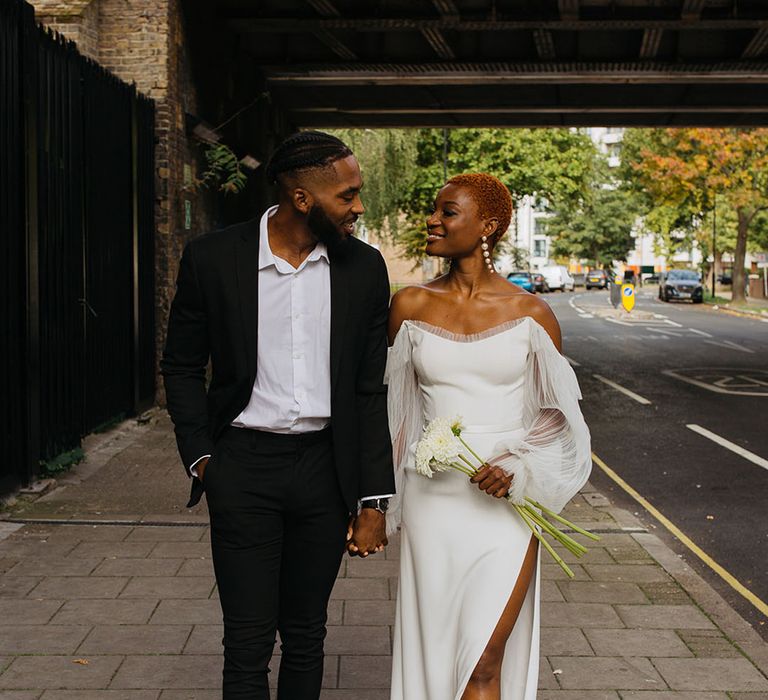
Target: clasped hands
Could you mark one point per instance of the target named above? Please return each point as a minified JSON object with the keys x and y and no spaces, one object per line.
{"x":493,"y":480}
{"x":366,"y":533}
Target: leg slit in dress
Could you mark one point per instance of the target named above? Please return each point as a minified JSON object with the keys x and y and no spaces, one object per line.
{"x":511,"y":612}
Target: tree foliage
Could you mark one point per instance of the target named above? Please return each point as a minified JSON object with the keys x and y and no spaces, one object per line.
{"x":553,"y":165}
{"x":685,"y":171}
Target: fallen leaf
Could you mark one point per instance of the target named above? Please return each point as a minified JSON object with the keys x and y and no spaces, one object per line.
{"x":82,"y":662}
{"x":557,"y":671}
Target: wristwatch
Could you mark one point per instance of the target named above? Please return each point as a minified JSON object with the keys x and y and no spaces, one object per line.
{"x":380,"y":504}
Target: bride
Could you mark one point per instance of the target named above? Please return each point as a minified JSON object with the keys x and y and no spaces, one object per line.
{"x":473,"y":345}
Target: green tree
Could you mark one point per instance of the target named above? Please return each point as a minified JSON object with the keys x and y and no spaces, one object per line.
{"x":683,"y":171}
{"x":554,"y":165}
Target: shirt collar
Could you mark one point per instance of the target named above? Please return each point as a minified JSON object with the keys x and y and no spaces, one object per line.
{"x":267,"y":258}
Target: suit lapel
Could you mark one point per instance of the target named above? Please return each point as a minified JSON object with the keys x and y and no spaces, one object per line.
{"x":339,"y":307}
{"x":247,"y":267}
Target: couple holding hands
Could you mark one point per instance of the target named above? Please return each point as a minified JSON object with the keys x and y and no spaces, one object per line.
{"x":303,"y":438}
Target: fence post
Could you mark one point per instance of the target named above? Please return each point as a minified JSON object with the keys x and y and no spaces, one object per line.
{"x":30,"y":110}
{"x":135,"y":264}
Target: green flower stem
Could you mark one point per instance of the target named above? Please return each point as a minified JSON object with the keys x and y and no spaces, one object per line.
{"x":573,"y":547}
{"x":559,"y":535}
{"x":562,"y":520}
{"x":467,"y":462}
{"x":544,"y":543}
{"x":460,"y":468}
{"x":473,"y":453}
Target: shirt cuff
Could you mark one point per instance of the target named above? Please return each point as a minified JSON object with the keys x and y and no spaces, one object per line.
{"x":368,"y":498}
{"x":193,"y":466}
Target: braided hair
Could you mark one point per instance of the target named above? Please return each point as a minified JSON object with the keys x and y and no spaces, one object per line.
{"x":305,"y":150}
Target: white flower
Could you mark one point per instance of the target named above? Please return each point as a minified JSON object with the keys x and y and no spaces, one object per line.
{"x":438,"y":448}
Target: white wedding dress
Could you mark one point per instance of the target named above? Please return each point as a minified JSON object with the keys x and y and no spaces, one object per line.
{"x":462,"y":550}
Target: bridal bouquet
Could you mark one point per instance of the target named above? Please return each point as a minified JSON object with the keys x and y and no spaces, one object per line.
{"x":442,"y":448}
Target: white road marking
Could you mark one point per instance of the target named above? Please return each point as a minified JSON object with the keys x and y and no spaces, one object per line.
{"x":717,"y":386}
{"x":729,"y":344}
{"x":733,"y":447}
{"x":698,"y":332}
{"x":632,"y":395}
{"x":573,"y":362}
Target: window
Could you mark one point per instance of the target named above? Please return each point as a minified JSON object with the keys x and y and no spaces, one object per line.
{"x":539,"y":227}
{"x":539,"y":247}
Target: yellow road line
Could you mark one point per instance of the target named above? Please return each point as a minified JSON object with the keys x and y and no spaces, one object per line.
{"x":731,"y":580}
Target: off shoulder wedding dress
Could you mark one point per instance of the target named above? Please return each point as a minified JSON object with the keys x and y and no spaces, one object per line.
{"x":462,"y":550}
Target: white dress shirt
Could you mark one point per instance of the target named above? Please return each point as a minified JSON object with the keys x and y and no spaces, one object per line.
{"x":292,"y":391}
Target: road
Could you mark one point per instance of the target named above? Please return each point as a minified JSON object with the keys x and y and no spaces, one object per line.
{"x":676,"y":397}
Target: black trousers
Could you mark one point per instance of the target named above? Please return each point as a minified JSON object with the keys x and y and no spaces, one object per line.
{"x":278,"y":529}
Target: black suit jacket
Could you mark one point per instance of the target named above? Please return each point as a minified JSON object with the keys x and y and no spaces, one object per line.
{"x":215,"y":315}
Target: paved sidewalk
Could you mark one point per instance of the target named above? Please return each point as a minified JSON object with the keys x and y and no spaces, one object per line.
{"x":124,"y":608}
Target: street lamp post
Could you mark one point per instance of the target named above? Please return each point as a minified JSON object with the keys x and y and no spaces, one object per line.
{"x":714,"y":245}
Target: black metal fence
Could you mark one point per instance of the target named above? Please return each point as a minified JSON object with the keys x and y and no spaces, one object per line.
{"x":77,"y":255}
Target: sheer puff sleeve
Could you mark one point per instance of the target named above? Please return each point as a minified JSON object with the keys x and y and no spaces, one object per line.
{"x":405,"y":415}
{"x":553,"y":459}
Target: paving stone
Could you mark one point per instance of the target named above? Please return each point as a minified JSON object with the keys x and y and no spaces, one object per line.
{"x":634,"y":573}
{"x":595,"y":555}
{"x":579,"y":615}
{"x":7,"y":564}
{"x":393,"y":586}
{"x":364,"y":671}
{"x":90,"y":533}
{"x":369,"y":612}
{"x":670,"y":695}
{"x":41,"y":639}
{"x":336,"y":613}
{"x":20,"y":694}
{"x":162,"y":533}
{"x":54,"y":566}
{"x":138,"y":567}
{"x":168,"y":587}
{"x":17,"y":586}
{"x":33,"y":549}
{"x":636,"y":643}
{"x":747,"y":696}
{"x":185,"y":550}
{"x":105,"y":612}
{"x":100,"y":695}
{"x":552,"y":572}
{"x":663,"y":617}
{"x":601,"y":592}
{"x":187,"y":612}
{"x":136,"y":639}
{"x":358,"y":639}
{"x":73,"y":587}
{"x":665,"y":593}
{"x":169,"y":672}
{"x":193,"y":567}
{"x":28,"y":612}
{"x":205,"y":639}
{"x":562,"y":641}
{"x":547,"y":679}
{"x":53,"y":672}
{"x":190,"y":695}
{"x":550,"y":592}
{"x":361,"y":589}
{"x":708,"y":643}
{"x":371,"y":568}
{"x":112,"y":550}
{"x":630,"y":554}
{"x":578,"y":695}
{"x":606,"y":673}
{"x":711,"y":674}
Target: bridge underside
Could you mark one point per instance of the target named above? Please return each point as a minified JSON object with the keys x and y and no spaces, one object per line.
{"x":452,"y":63}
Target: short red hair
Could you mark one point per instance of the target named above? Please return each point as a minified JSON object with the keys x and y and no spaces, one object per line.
{"x":491,"y":196}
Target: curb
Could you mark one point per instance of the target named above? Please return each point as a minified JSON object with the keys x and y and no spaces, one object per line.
{"x":712,"y":604}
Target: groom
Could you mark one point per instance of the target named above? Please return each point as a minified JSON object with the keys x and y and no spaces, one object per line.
{"x":290,"y":437}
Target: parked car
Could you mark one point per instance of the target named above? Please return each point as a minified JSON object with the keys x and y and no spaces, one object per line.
{"x":539,"y":283}
{"x":558,"y":277}
{"x":681,"y":285}
{"x":522,"y":279}
{"x":597,"y":279}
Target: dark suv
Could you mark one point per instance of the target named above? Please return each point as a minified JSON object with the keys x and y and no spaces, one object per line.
{"x":679,"y":285}
{"x":597,"y":278}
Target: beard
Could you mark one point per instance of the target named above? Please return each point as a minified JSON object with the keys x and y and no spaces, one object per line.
{"x":325,"y":230}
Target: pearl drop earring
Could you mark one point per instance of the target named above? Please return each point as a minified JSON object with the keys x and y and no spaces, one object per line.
{"x":487,"y":254}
